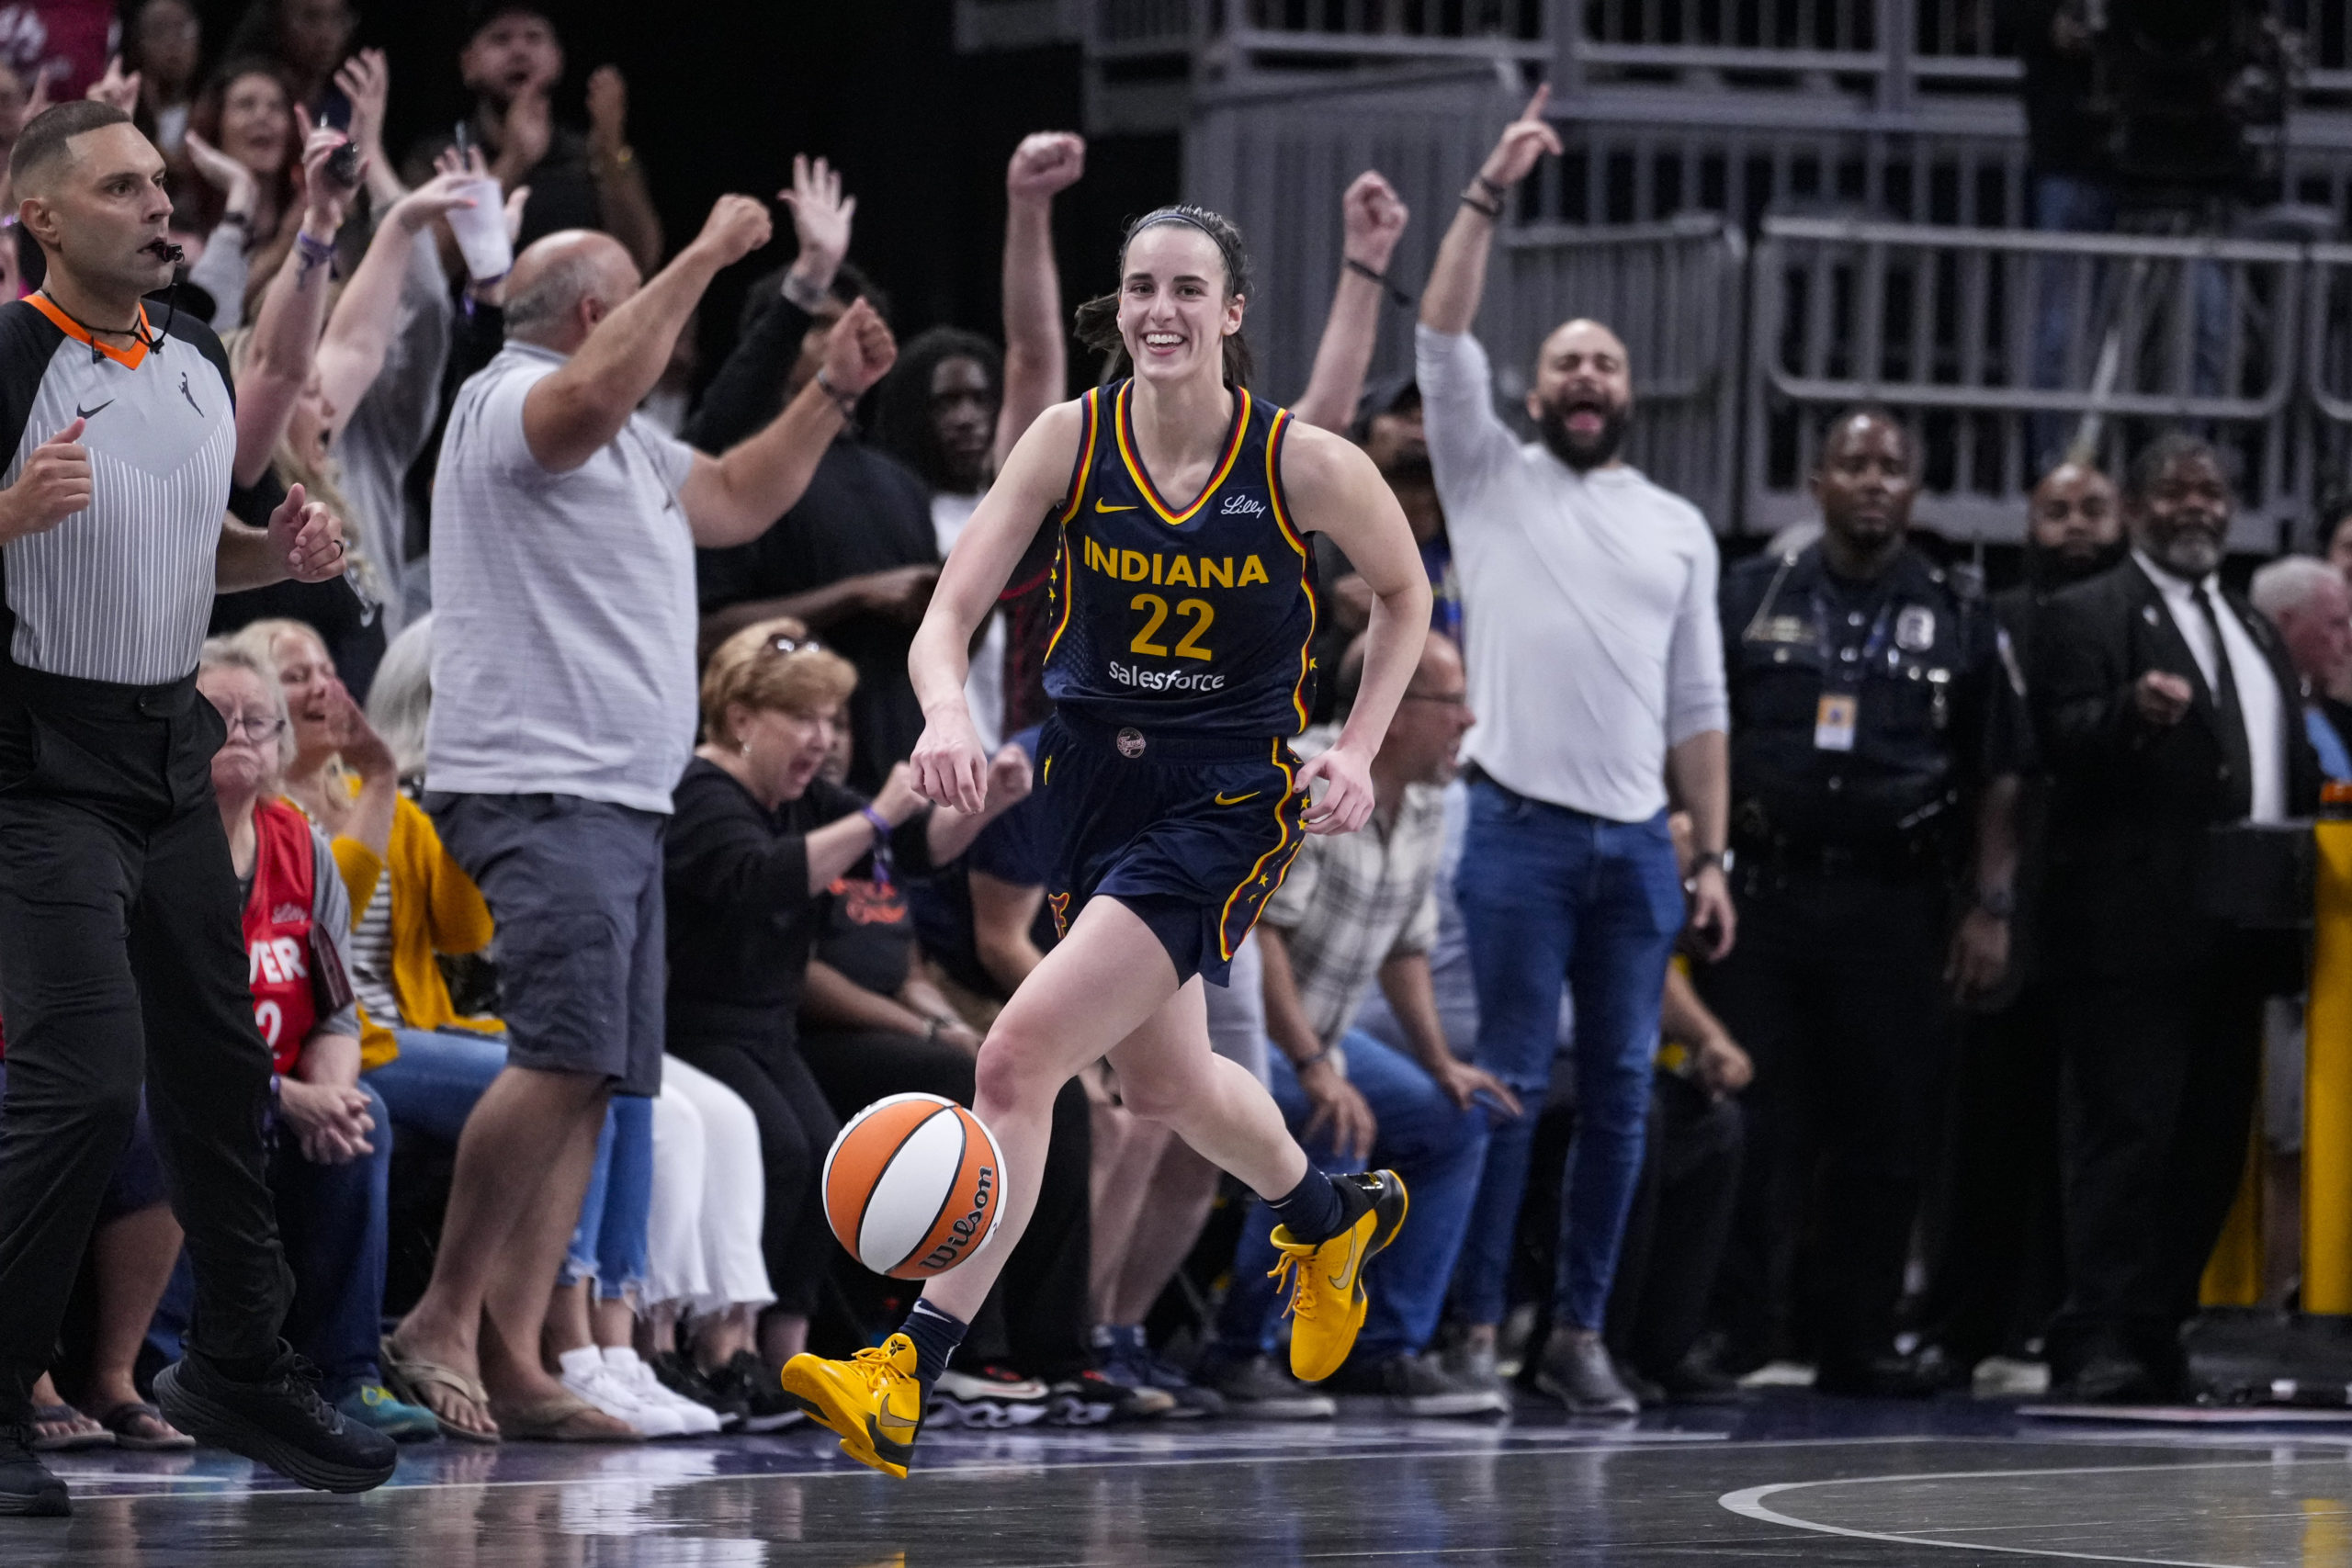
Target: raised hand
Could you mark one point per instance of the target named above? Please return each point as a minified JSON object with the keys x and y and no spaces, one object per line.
{"x":859,"y":350}
{"x":1373,"y":218}
{"x":607,"y":109}
{"x":443,"y":194}
{"x":820,"y":219}
{"x":524,"y":135}
{"x":114,"y":87}
{"x":1044,"y":165}
{"x":1523,"y":142}
{"x":232,"y":179}
{"x":363,"y":751}
{"x":53,"y":485}
{"x":324,"y":197}
{"x":737,"y":226}
{"x":307,"y":537}
{"x":366,"y":80}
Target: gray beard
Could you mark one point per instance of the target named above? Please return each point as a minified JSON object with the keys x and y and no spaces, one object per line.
{"x":2190,"y":555}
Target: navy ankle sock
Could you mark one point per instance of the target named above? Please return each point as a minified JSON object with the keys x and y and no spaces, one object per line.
{"x":1317,"y":1209}
{"x":936,"y":1335}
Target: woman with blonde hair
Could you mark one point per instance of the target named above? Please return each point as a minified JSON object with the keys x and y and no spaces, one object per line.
{"x":756,"y":838}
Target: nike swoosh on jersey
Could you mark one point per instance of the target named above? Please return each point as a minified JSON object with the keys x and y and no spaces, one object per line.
{"x":1238,"y":799}
{"x":1100,"y":506}
{"x":80,"y":413}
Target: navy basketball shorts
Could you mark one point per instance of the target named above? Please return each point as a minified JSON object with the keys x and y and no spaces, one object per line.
{"x":1193,"y":833}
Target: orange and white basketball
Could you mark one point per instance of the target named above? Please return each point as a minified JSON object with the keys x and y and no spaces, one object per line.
{"x":914,"y":1186}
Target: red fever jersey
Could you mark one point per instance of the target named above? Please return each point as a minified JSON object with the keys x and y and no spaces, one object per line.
{"x":277,"y":931}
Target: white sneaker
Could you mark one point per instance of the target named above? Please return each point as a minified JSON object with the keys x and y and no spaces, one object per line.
{"x":701,"y":1420}
{"x":586,"y":1376}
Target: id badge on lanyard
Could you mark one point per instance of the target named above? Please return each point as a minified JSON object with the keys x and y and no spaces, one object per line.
{"x":1838,"y":715}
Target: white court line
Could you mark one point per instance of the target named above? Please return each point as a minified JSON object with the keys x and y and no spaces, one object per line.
{"x":1749,"y":1503}
{"x":219,"y":1487}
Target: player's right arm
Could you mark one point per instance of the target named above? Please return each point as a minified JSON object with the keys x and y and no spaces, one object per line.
{"x":950,"y":767}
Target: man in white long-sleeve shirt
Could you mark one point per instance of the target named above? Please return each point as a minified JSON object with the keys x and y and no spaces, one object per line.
{"x":1596,"y":670}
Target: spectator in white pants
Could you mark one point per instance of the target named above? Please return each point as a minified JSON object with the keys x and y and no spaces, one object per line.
{"x":703,"y":1264}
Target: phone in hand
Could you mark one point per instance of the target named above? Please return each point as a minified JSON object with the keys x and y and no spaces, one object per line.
{"x":343,"y":164}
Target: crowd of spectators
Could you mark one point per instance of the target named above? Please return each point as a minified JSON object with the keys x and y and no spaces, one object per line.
{"x":1731,"y":948}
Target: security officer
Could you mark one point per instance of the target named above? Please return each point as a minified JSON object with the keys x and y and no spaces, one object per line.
{"x":1874,"y":710}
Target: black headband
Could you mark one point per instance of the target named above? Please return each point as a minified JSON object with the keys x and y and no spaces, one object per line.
{"x":1233,"y":270}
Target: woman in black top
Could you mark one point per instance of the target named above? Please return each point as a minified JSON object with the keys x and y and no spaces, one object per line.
{"x":755,"y":840}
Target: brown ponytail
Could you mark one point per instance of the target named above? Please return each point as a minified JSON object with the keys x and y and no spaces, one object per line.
{"x":1096,"y":323}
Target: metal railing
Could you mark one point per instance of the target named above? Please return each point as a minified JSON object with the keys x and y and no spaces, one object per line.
{"x":1674,"y":293}
{"x":2004,"y":347}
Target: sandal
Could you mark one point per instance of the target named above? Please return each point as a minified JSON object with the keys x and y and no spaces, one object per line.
{"x":78,"y":1431}
{"x":417,"y":1380}
{"x":562,"y":1418}
{"x":141,"y":1427}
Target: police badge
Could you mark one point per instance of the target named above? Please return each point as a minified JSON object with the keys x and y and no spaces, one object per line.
{"x":1914,"y":630}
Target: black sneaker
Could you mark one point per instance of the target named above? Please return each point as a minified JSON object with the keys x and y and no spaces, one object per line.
{"x":767,"y":1407}
{"x":682,"y":1377}
{"x":279,"y":1421}
{"x":1091,"y":1399}
{"x":1256,"y":1390}
{"x":26,"y":1488}
{"x":1418,"y":1385}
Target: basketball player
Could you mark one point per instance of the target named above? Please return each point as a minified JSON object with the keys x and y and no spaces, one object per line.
{"x":1184,"y":611}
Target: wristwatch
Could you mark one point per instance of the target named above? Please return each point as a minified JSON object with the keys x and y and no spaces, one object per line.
{"x":1998,"y":902}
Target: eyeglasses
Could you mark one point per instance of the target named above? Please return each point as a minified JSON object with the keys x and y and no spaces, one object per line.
{"x":256,"y":729}
{"x":782,"y":644}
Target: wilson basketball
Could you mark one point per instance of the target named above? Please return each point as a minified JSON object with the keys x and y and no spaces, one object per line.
{"x":914,"y":1186}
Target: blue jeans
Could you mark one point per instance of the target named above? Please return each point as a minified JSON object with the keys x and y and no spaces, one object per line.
{"x":609,"y":1243}
{"x":1434,"y":1144}
{"x":433,"y":1083}
{"x":332,"y":1219}
{"x":1547,"y":892}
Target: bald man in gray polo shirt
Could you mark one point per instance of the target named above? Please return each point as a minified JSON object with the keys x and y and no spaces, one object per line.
{"x":564,"y":527}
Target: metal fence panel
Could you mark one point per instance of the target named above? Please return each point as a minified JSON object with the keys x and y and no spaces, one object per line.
{"x":1995,"y":343}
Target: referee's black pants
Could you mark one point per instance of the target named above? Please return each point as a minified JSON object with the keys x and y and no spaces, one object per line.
{"x":122,"y":956}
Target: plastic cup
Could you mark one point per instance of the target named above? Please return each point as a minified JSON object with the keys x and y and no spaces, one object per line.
{"x":481,"y":231}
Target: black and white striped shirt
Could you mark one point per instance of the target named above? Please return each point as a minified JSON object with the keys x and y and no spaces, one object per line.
{"x":121,"y":591}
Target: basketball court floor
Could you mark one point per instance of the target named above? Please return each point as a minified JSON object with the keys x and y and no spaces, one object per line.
{"x":1788,"y":1479}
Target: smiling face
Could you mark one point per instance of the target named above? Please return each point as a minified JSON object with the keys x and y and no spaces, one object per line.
{"x":1174,"y":312}
{"x":2184,"y":520}
{"x":1583,"y":396}
{"x":256,"y":127}
{"x":100,"y":208}
{"x":313,"y":692}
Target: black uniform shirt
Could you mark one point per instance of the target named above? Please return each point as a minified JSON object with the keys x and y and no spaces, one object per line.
{"x":1923,"y":699}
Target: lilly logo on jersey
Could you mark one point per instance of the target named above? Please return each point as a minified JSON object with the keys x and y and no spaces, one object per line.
{"x":949,"y":1251}
{"x":1178,"y":571}
{"x":1242,"y":506}
{"x":1165,"y":679}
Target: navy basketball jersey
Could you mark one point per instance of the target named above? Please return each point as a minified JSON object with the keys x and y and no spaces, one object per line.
{"x":1195,"y":617}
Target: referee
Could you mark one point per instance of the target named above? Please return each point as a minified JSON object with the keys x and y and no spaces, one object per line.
{"x":120,"y":945}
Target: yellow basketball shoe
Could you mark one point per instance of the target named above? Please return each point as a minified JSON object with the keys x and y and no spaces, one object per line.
{"x":873,"y":1399}
{"x":1327,"y":1300}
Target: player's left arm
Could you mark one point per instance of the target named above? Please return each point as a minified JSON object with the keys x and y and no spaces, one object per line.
{"x":303,"y":541}
{"x":1333,"y":489}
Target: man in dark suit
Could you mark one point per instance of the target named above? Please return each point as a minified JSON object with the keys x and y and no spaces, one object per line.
{"x":2166,"y":705}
